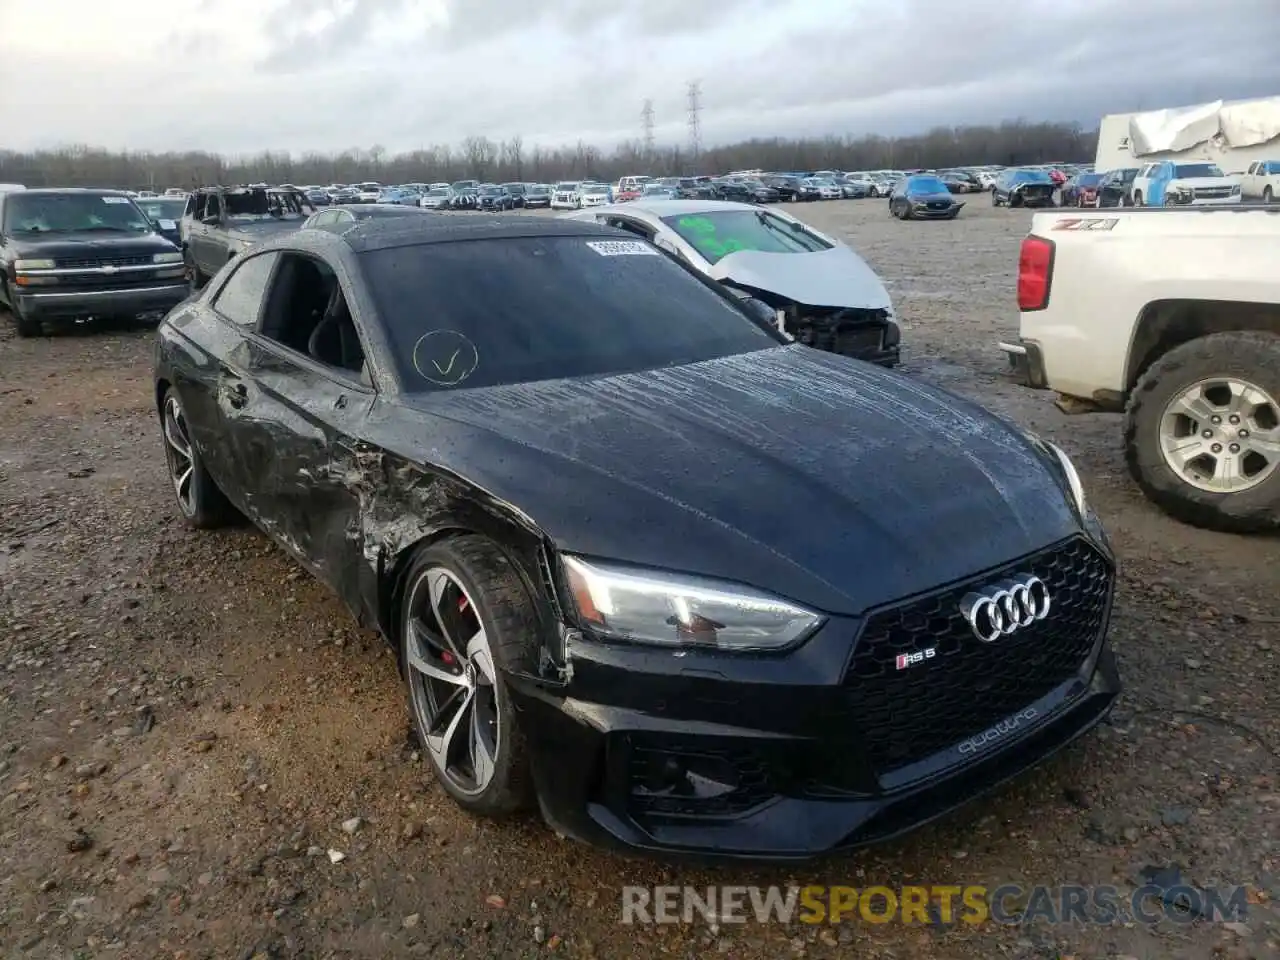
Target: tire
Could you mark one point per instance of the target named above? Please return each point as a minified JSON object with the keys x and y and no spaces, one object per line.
{"x":203,"y":505}
{"x":26,"y":326}
{"x":995,"y":198}
{"x":907,"y":213}
{"x":1249,"y":355}
{"x":481,"y":589}
{"x":1137,"y":198}
{"x":1267,"y":195}
{"x":1097,"y":202}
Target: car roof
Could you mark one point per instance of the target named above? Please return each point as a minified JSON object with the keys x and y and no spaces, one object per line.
{"x":385,"y":233}
{"x":676,"y":208}
{"x":89,"y":191}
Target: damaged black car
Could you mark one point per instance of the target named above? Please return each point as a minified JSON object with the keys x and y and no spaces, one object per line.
{"x":576,"y":485}
{"x":1023,"y":188}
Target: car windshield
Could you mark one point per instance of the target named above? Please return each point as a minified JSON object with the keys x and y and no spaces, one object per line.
{"x":927,"y":185}
{"x":438,"y":192}
{"x":540,"y":189}
{"x":464,"y":185}
{"x":1089,"y":179}
{"x":596,"y":188}
{"x":1031,"y":176}
{"x":1198,"y":170}
{"x":544,"y":308}
{"x":566,"y":186}
{"x":29,"y":212}
{"x":490,"y":191}
{"x":163,"y":208}
{"x":716,"y":234}
{"x":515,"y":188}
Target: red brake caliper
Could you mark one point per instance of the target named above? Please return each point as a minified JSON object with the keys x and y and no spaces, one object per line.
{"x":445,"y":655}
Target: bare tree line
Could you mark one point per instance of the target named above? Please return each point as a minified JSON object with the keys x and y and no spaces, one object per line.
{"x":1010,"y":143}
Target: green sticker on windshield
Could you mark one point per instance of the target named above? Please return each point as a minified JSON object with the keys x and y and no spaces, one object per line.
{"x":701,"y":232}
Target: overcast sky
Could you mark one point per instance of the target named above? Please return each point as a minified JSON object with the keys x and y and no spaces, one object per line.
{"x":246,"y":75}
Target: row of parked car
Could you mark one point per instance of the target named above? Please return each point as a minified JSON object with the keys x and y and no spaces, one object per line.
{"x":1168,"y":183}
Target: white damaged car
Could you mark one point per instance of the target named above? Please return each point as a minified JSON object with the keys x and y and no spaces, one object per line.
{"x":565,"y":195}
{"x":815,"y":288}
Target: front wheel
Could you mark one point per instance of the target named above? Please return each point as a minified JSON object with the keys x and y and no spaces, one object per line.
{"x":995,"y":199}
{"x":202,"y":504}
{"x":1202,"y":432}
{"x":26,"y":326}
{"x":1267,"y":195}
{"x":465,"y":621}
{"x":1137,"y":198}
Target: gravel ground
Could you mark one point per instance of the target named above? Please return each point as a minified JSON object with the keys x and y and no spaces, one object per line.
{"x":187,"y":720}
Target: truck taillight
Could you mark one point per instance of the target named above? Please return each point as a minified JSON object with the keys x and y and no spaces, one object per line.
{"x":1035,"y":271}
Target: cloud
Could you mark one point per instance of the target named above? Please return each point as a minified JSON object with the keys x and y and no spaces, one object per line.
{"x":248,"y":75}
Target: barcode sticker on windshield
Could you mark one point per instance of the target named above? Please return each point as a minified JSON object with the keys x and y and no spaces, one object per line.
{"x":115,"y":199}
{"x":622,"y":248}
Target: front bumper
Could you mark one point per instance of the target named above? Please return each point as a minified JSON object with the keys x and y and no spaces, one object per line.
{"x":1026,"y":359}
{"x":1184,"y":200}
{"x":922,"y":211}
{"x":160,"y":297}
{"x":779,"y":757}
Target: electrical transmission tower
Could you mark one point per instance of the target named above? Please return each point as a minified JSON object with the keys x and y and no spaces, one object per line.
{"x":646,"y":118}
{"x":695,"y":119}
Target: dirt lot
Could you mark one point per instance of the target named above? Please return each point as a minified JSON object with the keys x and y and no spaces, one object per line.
{"x":186,"y":720}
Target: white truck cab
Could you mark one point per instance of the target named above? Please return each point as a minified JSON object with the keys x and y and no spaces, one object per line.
{"x":1261,"y":181}
{"x":1171,"y":317}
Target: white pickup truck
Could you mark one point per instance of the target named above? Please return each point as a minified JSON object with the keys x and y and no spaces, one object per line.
{"x":1173,"y":318}
{"x":1261,"y":181}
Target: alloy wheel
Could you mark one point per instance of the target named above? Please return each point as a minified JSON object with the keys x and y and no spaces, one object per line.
{"x":1222,"y":435}
{"x":452,"y":680}
{"x":178,"y":453}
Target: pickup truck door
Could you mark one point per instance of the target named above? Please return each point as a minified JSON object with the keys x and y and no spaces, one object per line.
{"x":204,"y":240}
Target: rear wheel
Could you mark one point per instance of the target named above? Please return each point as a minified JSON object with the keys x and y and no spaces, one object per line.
{"x":465,"y":622}
{"x":1202,"y":432}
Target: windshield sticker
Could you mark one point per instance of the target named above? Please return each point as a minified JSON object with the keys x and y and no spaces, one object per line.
{"x":445,"y":357}
{"x":115,"y":199}
{"x":622,"y":248}
{"x":701,"y":232}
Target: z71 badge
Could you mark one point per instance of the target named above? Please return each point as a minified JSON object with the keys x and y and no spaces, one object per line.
{"x":911,"y":659}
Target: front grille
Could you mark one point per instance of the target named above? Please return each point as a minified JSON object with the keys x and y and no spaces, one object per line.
{"x":903,"y":716}
{"x":103,"y":262}
{"x":117,"y":281}
{"x":939,"y":205}
{"x":1208,"y":193}
{"x":852,"y":332}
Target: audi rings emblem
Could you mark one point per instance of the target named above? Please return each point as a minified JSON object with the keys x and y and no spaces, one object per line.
{"x":1006,"y":607}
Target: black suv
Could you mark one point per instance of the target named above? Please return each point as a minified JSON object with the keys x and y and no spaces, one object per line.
{"x":72,"y":253}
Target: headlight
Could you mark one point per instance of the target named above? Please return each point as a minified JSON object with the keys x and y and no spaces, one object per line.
{"x":670,"y":610}
{"x":174,"y":257}
{"x":1071,"y":477}
{"x":21,"y":265}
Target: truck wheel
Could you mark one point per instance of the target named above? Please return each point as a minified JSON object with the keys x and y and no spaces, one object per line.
{"x":1267,"y":195}
{"x":26,"y":326}
{"x":1202,"y":432}
{"x":1137,"y":198}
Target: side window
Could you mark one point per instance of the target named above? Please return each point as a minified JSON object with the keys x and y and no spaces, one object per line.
{"x":307,"y":312}
{"x":623,"y":223}
{"x":240,"y":299}
{"x":329,"y":216}
{"x":213,"y":206}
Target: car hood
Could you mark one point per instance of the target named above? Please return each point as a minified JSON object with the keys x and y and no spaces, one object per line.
{"x":828,"y":278}
{"x":930,"y":197}
{"x":257,"y":229}
{"x":1194,"y":182}
{"x":821,"y":478}
{"x":87,"y":245}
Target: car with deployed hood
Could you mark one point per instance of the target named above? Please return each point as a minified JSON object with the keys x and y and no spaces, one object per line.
{"x":166,"y":213}
{"x":650,"y":651}
{"x":923,"y":196}
{"x":464,"y":194}
{"x":1023,"y":187}
{"x":71,"y":253}
{"x":817,"y":290}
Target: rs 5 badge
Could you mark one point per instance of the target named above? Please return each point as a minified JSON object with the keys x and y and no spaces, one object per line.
{"x":911,"y":659}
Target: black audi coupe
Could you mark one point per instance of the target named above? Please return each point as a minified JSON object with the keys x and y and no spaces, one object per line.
{"x":684,"y":585}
